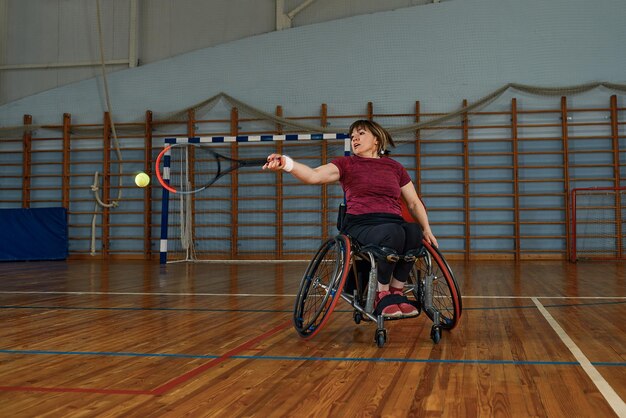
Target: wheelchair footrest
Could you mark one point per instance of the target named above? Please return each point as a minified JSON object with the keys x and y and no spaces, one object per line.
{"x":393,"y":300}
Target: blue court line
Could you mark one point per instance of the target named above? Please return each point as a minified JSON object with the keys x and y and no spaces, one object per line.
{"x":411,"y":360}
{"x":553,"y":305}
{"x":564,"y":305}
{"x":296,"y":358}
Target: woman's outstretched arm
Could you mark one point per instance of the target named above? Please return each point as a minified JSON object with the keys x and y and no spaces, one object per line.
{"x":323,"y":174}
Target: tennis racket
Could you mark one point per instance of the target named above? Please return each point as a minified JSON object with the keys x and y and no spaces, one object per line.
{"x":189,"y":168}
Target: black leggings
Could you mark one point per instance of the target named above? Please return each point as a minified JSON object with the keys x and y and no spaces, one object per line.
{"x":393,"y":233}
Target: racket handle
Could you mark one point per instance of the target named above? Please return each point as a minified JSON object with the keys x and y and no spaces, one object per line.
{"x":259,"y":161}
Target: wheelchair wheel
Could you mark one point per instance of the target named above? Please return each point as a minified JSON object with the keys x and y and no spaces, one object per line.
{"x":320,"y":288}
{"x":446,"y":297}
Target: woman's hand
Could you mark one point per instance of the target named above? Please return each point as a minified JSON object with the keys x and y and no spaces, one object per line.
{"x":430,"y":238}
{"x":275,"y":162}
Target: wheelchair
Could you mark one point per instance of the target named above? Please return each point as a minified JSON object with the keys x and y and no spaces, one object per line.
{"x":344,"y":269}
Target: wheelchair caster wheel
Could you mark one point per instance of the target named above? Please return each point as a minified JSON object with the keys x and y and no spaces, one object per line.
{"x":380,"y":337}
{"x":435,"y":334}
{"x":357,"y":317}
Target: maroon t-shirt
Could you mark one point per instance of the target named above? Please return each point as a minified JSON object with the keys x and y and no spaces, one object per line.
{"x":371,"y":185}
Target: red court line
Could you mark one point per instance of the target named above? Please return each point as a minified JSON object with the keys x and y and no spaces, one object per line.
{"x":163,"y":388}
{"x":75,"y":390}
{"x":185,"y":377}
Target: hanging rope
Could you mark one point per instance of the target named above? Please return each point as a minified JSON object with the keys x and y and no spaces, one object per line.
{"x":116,"y":145}
{"x":95,"y":187}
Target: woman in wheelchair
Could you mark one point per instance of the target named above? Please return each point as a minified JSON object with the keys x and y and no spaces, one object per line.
{"x":373,"y":184}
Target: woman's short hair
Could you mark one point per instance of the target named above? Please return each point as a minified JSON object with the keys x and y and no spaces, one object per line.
{"x":384,"y":138}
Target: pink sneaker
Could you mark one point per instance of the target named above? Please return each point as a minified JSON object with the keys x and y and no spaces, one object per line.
{"x":406,"y":308}
{"x":391,"y":311}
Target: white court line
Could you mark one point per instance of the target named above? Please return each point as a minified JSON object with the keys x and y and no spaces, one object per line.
{"x":603,"y":386}
{"x":542,"y":297}
{"x":272,"y":295}
{"x":581,"y":297}
{"x":616,"y":403}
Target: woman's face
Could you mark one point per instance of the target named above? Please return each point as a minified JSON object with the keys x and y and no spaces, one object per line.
{"x":364,"y":143}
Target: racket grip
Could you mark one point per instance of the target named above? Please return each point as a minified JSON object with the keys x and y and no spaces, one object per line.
{"x":260,"y":162}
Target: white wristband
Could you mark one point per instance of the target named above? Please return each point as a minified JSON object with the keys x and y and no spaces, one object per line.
{"x":288,"y":163}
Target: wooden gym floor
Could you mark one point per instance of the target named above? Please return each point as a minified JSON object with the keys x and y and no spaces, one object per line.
{"x":135,"y":339}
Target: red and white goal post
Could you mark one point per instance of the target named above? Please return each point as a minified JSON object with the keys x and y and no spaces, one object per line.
{"x":598,"y":223}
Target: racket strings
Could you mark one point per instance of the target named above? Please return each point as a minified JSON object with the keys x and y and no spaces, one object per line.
{"x":192,"y":168}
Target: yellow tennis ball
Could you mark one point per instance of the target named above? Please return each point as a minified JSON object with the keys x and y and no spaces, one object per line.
{"x":142,"y":179}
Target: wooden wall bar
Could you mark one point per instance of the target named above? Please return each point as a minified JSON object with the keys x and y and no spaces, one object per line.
{"x":418,"y":153}
{"x":325,"y":159}
{"x":106,"y":184}
{"x":564,"y":137}
{"x":466,"y":181}
{"x":470,"y":152}
{"x":147,"y":195}
{"x":26,"y":162}
{"x":516,"y":199}
{"x":234,"y":189}
{"x":279,"y":190}
{"x":67,"y":122}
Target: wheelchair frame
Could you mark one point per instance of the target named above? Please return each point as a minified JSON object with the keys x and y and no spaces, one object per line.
{"x":431,"y":283}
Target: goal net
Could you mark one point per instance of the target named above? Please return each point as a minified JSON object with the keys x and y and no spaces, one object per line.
{"x":598,"y":223}
{"x":250,"y":213}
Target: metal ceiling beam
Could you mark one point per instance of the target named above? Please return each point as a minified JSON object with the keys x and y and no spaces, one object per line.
{"x":284,"y":20}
